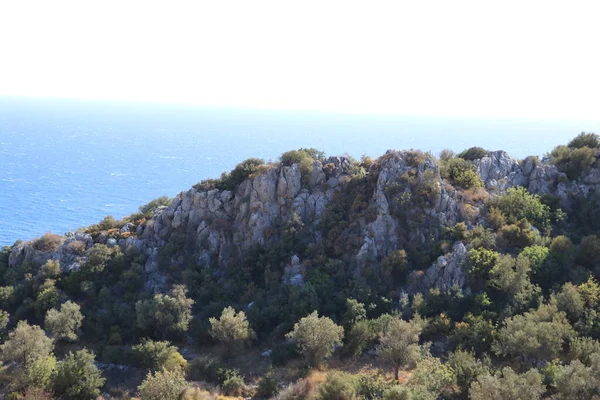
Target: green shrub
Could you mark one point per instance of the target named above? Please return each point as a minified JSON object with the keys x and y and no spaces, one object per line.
{"x":573,"y":161}
{"x":165,"y":313}
{"x":296,"y":156}
{"x":205,"y":369}
{"x":466,"y":368}
{"x":582,"y":348}
{"x":231,"y":180}
{"x":233,"y":385}
{"x":25,"y":342}
{"x":158,"y":355}
{"x":414,"y":158}
{"x":461,"y":173}
{"x":162,"y":385}
{"x":78,"y":377}
{"x":316,"y":337}
{"x":149,"y":209}
{"x":231,"y":328}
{"x":397,"y":392}
{"x":517,"y":203}
{"x":267,"y":386}
{"x":65,"y":323}
{"x":339,"y":386}
{"x":305,"y":158}
{"x":370,"y":387}
{"x":473,"y":153}
{"x":519,"y":235}
{"x":590,"y":140}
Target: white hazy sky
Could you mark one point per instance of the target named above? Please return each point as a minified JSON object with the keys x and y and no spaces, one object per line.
{"x":449,"y":58}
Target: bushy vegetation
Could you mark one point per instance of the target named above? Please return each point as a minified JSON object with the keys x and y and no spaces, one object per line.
{"x":578,"y":156}
{"x":525,"y":324}
{"x":231,"y":180}
{"x":461,"y":173}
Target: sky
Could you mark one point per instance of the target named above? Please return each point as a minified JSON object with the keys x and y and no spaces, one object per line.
{"x":500,"y":59}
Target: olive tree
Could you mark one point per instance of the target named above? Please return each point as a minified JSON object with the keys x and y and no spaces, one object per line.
{"x":166,"y":313}
{"x":399,"y":343}
{"x":316,"y":337}
{"x":26,"y":342}
{"x":65,"y":323}
{"x":231,"y":328}
{"x":162,"y":385}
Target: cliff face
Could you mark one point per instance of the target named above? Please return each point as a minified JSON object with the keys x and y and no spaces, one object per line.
{"x":216,"y":227}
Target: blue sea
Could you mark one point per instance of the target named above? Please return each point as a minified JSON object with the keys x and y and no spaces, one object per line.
{"x":66,"y":164}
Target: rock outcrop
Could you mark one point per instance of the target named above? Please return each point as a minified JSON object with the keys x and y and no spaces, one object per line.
{"x":216,"y":227}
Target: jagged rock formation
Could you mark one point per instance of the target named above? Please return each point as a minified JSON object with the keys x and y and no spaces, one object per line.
{"x":216,"y":227}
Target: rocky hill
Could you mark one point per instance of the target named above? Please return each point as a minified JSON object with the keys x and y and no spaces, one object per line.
{"x":466,"y":242}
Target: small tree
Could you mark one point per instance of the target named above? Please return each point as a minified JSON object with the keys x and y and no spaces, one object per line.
{"x":65,"y":323}
{"x":316,"y":337}
{"x":162,"y":385}
{"x":230,"y":328}
{"x":39,"y":372}
{"x":166,"y":313}
{"x":355,"y":311}
{"x":78,"y":377}
{"x":399,"y":343}
{"x":26,"y":342}
{"x":466,"y":368}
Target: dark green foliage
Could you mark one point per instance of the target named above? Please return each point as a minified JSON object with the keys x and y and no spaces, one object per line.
{"x":584,"y":139}
{"x":573,"y":161}
{"x":466,"y":368}
{"x":474,"y":333}
{"x":297,"y":156}
{"x":371,"y":387}
{"x":536,"y":335}
{"x":205,"y":369}
{"x":149,"y":209}
{"x":518,"y":204}
{"x":231,"y":180}
{"x":154,"y":355}
{"x":480,"y":262}
{"x":473,"y":153}
{"x":339,"y":386}
{"x":267,"y":386}
{"x":78,"y":378}
{"x":358,"y":337}
{"x":461,"y":173}
{"x":233,"y":384}
{"x":165,"y":313}
{"x":355,"y":312}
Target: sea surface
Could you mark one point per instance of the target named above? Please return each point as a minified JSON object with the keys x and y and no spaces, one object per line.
{"x":67,"y":164}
